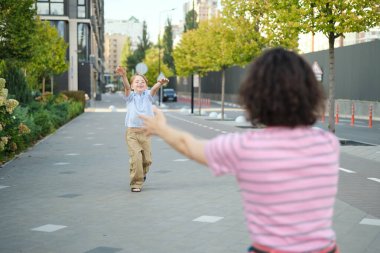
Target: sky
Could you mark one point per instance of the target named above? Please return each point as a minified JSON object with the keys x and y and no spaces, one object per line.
{"x":154,"y":12}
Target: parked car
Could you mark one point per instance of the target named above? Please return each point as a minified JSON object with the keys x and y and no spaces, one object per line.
{"x":169,"y":94}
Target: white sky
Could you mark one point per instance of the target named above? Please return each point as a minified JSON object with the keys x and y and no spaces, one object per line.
{"x":154,"y":12}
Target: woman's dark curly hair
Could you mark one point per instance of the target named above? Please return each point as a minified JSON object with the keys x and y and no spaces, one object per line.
{"x":280,"y":89}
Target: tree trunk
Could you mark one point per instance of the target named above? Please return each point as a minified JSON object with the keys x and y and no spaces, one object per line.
{"x":52,"y":84}
{"x":331,"y":97}
{"x":43,"y":85}
{"x":199,"y":95}
{"x":223,"y":87}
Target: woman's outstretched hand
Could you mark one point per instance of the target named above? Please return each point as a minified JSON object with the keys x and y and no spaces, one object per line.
{"x":181,"y":141}
{"x":154,"y":125}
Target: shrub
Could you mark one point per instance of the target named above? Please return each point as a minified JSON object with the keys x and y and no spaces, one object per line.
{"x":44,"y":120}
{"x":76,"y":96}
{"x":22,"y":126}
{"x":12,"y":129}
{"x":16,"y":83}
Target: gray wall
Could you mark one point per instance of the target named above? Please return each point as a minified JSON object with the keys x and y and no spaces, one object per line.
{"x":357,"y":75}
{"x":357,"y":70}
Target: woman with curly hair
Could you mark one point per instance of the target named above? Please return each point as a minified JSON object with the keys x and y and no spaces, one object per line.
{"x":288,"y":171}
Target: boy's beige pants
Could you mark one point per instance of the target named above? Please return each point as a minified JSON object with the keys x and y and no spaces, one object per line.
{"x":140,"y":156}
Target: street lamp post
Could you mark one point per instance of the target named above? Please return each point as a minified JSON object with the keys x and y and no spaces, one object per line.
{"x":159,"y":50}
{"x":192,"y":75}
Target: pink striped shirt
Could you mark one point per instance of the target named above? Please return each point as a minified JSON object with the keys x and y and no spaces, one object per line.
{"x":288,"y":180}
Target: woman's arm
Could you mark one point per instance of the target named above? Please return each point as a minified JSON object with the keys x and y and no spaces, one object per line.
{"x":157,"y":86}
{"x":181,"y":141}
{"x":127,"y":88}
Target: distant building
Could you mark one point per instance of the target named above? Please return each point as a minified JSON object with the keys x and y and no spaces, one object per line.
{"x":81,"y":24}
{"x":308,"y":43}
{"x":132,"y":28}
{"x":117,"y":32}
{"x":113,"y":46}
{"x":206,"y":9}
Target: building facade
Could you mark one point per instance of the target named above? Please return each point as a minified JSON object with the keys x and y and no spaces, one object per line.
{"x":131,"y":28}
{"x":116,"y":34}
{"x":206,"y":9}
{"x":81,"y":24}
{"x":309,"y":43}
{"x":113,"y":47}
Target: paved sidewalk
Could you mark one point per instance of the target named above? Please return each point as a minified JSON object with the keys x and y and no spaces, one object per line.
{"x":70,"y":193}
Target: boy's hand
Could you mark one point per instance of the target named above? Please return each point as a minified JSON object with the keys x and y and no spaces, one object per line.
{"x":163,"y":81}
{"x":120,"y":71}
{"x":154,"y":125}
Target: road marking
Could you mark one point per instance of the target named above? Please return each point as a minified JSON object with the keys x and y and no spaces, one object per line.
{"x":347,"y":171}
{"x":181,"y":160}
{"x":373,"y":222}
{"x":61,"y":163}
{"x":48,"y":228}
{"x":3,"y":186}
{"x":72,"y":154}
{"x":208,"y":219}
{"x":374,"y":179}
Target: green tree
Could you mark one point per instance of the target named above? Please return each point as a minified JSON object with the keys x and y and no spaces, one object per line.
{"x":188,"y":56}
{"x":208,"y":48}
{"x":334,"y":19}
{"x":49,"y":53}
{"x":168,"y":46}
{"x":257,"y":26}
{"x":191,"y":20}
{"x":218,"y":49}
{"x":126,"y":52}
{"x":17,"y":26}
{"x":151,"y":60}
{"x":143,"y":45}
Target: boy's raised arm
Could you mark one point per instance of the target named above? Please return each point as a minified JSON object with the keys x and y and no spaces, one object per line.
{"x":127,"y":87}
{"x":156,"y":87}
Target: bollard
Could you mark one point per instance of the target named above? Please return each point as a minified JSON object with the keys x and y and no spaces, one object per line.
{"x":337,"y":114}
{"x":370,"y":117}
{"x":352,"y":114}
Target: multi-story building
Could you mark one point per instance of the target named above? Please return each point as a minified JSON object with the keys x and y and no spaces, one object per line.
{"x":81,"y":24}
{"x":131,"y":28}
{"x":308,"y":43}
{"x":113,"y":47}
{"x":205,"y":9}
{"x":116,"y":34}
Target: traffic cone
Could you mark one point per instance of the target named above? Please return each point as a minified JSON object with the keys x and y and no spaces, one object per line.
{"x":337,"y":114}
{"x":352,"y":115}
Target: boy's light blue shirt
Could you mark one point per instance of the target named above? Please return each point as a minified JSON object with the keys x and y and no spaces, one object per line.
{"x":136,"y":105}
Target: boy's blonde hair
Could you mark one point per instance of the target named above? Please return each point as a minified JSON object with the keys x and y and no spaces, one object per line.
{"x":134,"y":76}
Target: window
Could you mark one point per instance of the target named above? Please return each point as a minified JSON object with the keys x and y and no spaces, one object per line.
{"x":61,"y":27}
{"x":82,"y":10}
{"x":50,"y":7}
{"x":83,"y":42}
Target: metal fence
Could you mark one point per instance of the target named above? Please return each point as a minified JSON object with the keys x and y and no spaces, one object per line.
{"x":357,"y":78}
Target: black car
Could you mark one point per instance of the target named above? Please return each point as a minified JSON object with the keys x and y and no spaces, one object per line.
{"x":169,"y":94}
